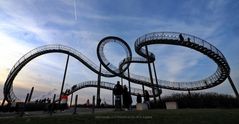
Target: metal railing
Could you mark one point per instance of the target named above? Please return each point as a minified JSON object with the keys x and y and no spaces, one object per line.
{"x":107,"y":85}
{"x":152,"y":38}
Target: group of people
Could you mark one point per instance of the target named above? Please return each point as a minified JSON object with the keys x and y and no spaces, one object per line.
{"x":127,"y":99}
{"x":45,"y":100}
{"x":146,"y":98}
{"x":119,"y":91}
{"x":181,"y":38}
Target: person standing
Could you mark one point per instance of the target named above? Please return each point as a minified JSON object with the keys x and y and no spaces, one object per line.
{"x":181,"y":37}
{"x":146,"y":98}
{"x":139,"y":98}
{"x":118,"y":91}
{"x":127,"y":99}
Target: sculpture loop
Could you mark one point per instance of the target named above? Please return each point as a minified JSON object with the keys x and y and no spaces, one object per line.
{"x":170,"y":38}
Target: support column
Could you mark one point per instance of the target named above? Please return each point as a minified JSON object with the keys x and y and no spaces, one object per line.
{"x":122,"y":83}
{"x":143,"y":89}
{"x":64,"y":77}
{"x":150,"y":73}
{"x":98,"y":88}
{"x":52,"y":107}
{"x":156,"y":79}
{"x":93,"y":104}
{"x":233,"y":87}
{"x":30,"y":96}
{"x":71,"y":99}
{"x":130,"y":108}
{"x":129,"y":82}
{"x":24,"y":105}
{"x":113,"y":100}
{"x":3,"y":101}
{"x":75,"y":107}
{"x":189,"y":93}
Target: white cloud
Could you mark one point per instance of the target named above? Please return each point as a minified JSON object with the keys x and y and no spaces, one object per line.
{"x":11,"y":51}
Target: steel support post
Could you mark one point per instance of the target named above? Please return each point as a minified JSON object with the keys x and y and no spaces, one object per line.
{"x":122,"y":82}
{"x":233,"y":87}
{"x":150,"y":73}
{"x":75,"y":107}
{"x":113,"y":100}
{"x":156,"y":79}
{"x":71,"y":99}
{"x":52,"y":107}
{"x":129,"y":82}
{"x":98,"y":88}
{"x":30,"y":96}
{"x":64,"y":77}
{"x":93,"y":104}
{"x":143,"y":90}
{"x":189,"y":93}
{"x":24,"y":105}
{"x":3,"y":101}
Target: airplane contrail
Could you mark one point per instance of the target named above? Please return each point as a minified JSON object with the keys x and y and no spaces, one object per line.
{"x":75,"y":10}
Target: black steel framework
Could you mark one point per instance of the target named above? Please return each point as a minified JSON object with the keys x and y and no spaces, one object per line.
{"x":63,"y":80}
{"x":110,"y":70}
{"x":98,"y":100}
{"x":30,"y":95}
{"x":150,"y":73}
{"x":107,"y":86}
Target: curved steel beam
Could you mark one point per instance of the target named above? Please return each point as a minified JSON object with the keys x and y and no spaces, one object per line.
{"x":8,"y":89}
{"x":171,"y":38}
{"x":104,"y":85}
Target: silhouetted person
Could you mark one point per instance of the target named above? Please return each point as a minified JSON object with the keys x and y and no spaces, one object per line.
{"x":188,"y":39}
{"x":127,"y":99}
{"x":125,"y":95}
{"x":99,"y":101}
{"x":118,"y":91}
{"x":139,"y":98}
{"x":181,"y":37}
{"x":48,"y":100}
{"x":146,"y":95}
{"x":87,"y":102}
{"x":146,"y":98}
{"x":130,"y":101}
{"x":51,"y":107}
{"x":125,"y":89}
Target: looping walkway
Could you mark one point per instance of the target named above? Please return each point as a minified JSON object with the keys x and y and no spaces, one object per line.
{"x":106,"y":85}
{"x":171,"y":38}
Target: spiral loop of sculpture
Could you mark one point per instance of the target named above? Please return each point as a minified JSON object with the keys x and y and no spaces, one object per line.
{"x":110,"y":70}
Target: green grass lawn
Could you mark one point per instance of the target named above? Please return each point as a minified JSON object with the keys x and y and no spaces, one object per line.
{"x":182,"y":116}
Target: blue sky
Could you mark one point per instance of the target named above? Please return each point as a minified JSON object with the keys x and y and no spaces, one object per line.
{"x":81,"y":24}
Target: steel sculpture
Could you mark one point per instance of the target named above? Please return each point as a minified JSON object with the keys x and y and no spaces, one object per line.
{"x":140,"y":46}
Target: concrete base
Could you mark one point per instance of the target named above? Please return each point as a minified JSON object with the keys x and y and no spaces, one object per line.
{"x":141,"y":106}
{"x":171,"y":105}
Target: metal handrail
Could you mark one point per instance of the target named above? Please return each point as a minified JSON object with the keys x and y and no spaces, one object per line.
{"x":107,"y":85}
{"x":151,"y":38}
